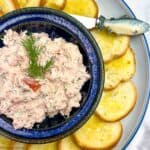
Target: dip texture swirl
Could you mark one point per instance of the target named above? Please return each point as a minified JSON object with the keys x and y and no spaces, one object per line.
{"x":27,"y":100}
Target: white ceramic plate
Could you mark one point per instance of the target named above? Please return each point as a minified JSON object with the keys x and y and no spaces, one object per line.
{"x":117,"y":8}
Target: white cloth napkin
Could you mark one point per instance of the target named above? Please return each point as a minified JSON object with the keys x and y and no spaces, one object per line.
{"x":141,"y":8}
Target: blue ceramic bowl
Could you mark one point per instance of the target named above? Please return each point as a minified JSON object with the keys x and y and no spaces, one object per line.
{"x":57,"y":24}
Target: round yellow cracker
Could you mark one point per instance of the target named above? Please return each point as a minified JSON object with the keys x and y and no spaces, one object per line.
{"x":119,"y":69}
{"x":111,"y":45}
{"x":68,"y":143}
{"x":117,"y":103}
{"x":98,"y":134}
{"x":48,"y":146}
{"x":87,"y":8}
{"x":57,"y":4}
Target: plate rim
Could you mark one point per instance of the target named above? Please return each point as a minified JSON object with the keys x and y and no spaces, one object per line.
{"x":143,"y":113}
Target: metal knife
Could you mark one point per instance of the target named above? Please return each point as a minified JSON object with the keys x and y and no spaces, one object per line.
{"x":122,"y":26}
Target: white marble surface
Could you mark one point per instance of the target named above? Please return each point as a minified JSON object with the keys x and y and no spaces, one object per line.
{"x":141,"y":8}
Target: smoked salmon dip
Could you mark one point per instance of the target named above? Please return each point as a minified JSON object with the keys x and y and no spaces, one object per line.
{"x":28,"y":99}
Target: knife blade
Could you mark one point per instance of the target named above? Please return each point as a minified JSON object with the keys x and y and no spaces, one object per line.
{"x":88,"y":22}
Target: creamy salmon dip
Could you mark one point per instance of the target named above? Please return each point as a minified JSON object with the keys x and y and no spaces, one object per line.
{"x":27,"y":100}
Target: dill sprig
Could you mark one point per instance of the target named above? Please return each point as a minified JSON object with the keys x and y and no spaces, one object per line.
{"x":33,"y":51}
{"x":1,"y":37}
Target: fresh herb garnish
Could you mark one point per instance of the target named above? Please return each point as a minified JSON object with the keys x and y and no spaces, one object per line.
{"x":33,"y":51}
{"x":1,"y":37}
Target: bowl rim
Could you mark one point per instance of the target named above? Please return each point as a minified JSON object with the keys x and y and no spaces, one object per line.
{"x":100,"y":66}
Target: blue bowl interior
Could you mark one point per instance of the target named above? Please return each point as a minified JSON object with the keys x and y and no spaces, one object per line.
{"x":53,"y":32}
